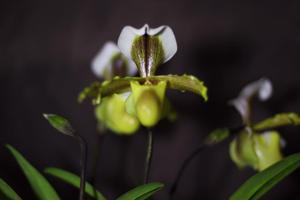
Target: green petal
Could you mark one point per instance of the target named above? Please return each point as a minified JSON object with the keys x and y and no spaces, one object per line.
{"x":118,"y":85}
{"x":183,"y":83}
{"x":242,"y":150}
{"x":268,"y":149}
{"x":148,"y":100}
{"x":112,"y":113}
{"x":283,"y":119}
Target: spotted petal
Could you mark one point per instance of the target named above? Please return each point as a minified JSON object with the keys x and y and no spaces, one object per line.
{"x":119,"y":85}
{"x":148,"y":47}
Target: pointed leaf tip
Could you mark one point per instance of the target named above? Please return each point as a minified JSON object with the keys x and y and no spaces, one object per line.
{"x":60,"y":123}
{"x":39,"y":184}
{"x":7,"y":193}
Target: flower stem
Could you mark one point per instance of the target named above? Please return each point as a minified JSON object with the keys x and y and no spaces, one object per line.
{"x":190,"y":157}
{"x":83,"y":160}
{"x":99,"y":140}
{"x":186,"y":162}
{"x":148,"y":156}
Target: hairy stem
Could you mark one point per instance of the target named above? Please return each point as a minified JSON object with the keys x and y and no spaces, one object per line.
{"x":148,"y":156}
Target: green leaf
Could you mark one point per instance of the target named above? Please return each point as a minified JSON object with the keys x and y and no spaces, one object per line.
{"x":282,"y":119}
{"x":73,"y":180}
{"x":6,"y":192}
{"x":141,"y":192}
{"x":39,"y":184}
{"x":217,"y":135}
{"x":262,"y":182}
{"x":118,"y":85}
{"x":61,"y":124}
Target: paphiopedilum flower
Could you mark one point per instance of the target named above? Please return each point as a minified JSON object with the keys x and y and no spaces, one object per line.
{"x":148,"y":48}
{"x":108,"y":63}
{"x":258,"y":145}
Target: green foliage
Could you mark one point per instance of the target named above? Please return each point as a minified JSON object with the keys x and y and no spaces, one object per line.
{"x":73,"y":180}
{"x":39,"y":184}
{"x":262,"y":182}
{"x":141,"y":192}
{"x":282,"y":119}
{"x":7,"y":193}
{"x":59,"y":123}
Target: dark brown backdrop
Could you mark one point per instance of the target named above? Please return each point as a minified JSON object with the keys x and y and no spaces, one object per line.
{"x":45,"y":53}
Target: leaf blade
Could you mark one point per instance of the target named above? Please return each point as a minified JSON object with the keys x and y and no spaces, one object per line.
{"x":73,"y":180}
{"x":37,"y":181}
{"x":60,"y":123}
{"x":141,"y":192}
{"x":263,"y":181}
{"x":6,"y":192}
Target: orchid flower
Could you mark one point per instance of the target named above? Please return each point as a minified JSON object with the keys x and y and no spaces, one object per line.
{"x":258,"y":145}
{"x":148,"y":48}
{"x":110,"y":62}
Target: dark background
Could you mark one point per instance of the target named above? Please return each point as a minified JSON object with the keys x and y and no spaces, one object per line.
{"x":45,"y":52}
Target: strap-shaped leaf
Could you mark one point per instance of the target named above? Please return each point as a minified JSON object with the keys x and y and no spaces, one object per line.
{"x":262,"y":182}
{"x":118,"y":85}
{"x":282,"y":119}
{"x":73,"y":180}
{"x":141,"y":192}
{"x":39,"y":184}
{"x":6,"y":192}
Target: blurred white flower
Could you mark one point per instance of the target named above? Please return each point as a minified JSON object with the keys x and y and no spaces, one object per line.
{"x":110,"y":62}
{"x":262,"y":88}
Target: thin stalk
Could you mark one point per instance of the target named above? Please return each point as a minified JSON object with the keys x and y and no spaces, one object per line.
{"x":190,"y":158}
{"x":83,"y":160}
{"x":99,"y":140}
{"x":186,"y":162}
{"x":148,"y":156}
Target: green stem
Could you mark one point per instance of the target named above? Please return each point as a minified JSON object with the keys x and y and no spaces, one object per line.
{"x":83,"y":160}
{"x":148,"y":156}
{"x":99,"y":141}
{"x":186,"y":162}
